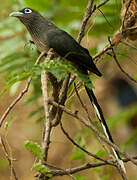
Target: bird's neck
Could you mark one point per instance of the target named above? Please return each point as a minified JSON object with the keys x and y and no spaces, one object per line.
{"x":37,"y":29}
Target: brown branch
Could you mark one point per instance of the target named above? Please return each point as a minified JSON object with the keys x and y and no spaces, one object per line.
{"x":98,"y":55}
{"x":62,"y":100}
{"x":128,"y":44}
{"x":61,"y":172}
{"x":121,"y":172}
{"x":24,"y":91}
{"x":123,"y":26}
{"x":102,"y":4}
{"x":57,"y":168}
{"x":89,"y":11}
{"x":127,"y":160}
{"x":119,"y":36}
{"x":76,"y":169}
{"x":81,"y":102}
{"x":47,"y":123}
{"x":85,"y":20}
{"x":56,"y":86}
{"x":75,"y":115}
{"x":118,"y":64}
{"x":8,"y":158}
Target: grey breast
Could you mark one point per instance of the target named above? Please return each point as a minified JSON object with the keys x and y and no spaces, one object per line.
{"x":40,"y":42}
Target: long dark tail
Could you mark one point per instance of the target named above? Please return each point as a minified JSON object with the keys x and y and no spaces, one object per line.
{"x":101,"y":118}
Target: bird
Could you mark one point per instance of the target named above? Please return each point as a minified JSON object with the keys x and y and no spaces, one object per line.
{"x":46,"y":35}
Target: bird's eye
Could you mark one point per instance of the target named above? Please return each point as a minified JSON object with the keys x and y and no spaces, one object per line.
{"x":27,"y":11}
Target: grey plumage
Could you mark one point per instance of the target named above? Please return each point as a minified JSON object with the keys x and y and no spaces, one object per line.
{"x":47,"y":35}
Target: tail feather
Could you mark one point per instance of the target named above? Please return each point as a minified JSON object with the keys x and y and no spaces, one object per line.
{"x":101,"y":118}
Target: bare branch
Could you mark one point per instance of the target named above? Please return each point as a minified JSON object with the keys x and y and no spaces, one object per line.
{"x":47,"y":123}
{"x":128,"y":44}
{"x":116,"y":60}
{"x":89,"y":11}
{"x":83,"y":105}
{"x":98,"y":55}
{"x":75,"y":115}
{"x":85,"y":20}
{"x":123,"y":24}
{"x":8,"y":158}
{"x":87,"y":152}
{"x":57,"y":168}
{"x":62,"y":100}
{"x":102,"y":4}
{"x":76,"y":169}
{"x":61,"y":172}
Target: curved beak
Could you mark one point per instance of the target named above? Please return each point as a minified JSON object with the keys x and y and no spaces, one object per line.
{"x":16,"y":14}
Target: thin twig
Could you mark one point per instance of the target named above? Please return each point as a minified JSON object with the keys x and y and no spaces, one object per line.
{"x":102,"y":4}
{"x":127,"y":160}
{"x":24,"y":91}
{"x":116,"y":60}
{"x":8,"y":158}
{"x":62,"y":100}
{"x":128,"y":44}
{"x":75,"y":115}
{"x":85,"y":20}
{"x":98,"y":55}
{"x":61,"y":172}
{"x":56,"y":86}
{"x":121,"y":172}
{"x":76,"y":169}
{"x":89,"y":11}
{"x":123,"y":26}
{"x":57,"y":168}
{"x":87,"y":152}
{"x":81,"y":102}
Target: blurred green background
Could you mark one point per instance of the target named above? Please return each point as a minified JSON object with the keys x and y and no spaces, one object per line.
{"x":116,"y":93}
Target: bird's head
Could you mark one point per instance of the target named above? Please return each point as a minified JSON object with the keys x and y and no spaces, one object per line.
{"x":26,"y":15}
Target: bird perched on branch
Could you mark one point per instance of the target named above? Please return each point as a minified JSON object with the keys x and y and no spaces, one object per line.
{"x":47,"y":35}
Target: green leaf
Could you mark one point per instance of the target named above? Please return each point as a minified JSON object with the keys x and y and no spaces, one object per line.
{"x":8,"y":124}
{"x":34,"y":148}
{"x":3,"y":163}
{"x":14,"y":88}
{"x":39,"y":109}
{"x":43,"y":169}
{"x":124,"y":115}
{"x":40,"y":119}
{"x":80,"y":139}
{"x":79,"y":177}
{"x":38,"y":4}
{"x":60,"y":69}
{"x":132,"y":139}
{"x":97,"y":169}
{"x":78,"y":154}
{"x":105,"y":177}
{"x":101,"y":153}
